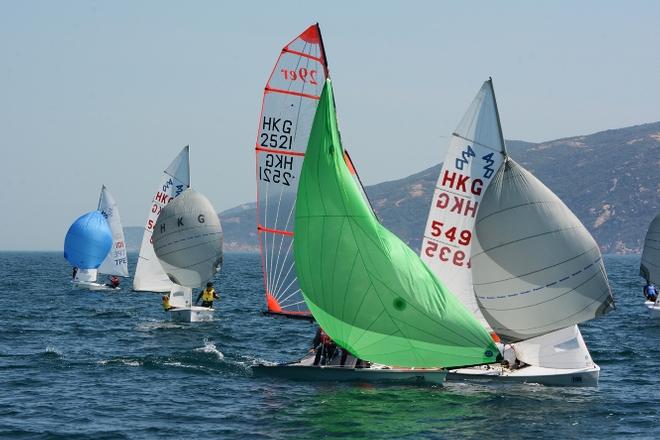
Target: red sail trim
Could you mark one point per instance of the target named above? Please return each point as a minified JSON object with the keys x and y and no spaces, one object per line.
{"x":274,"y":231}
{"x":289,"y":92}
{"x":303,"y":54}
{"x":276,"y":151}
{"x":311,"y":35}
{"x":349,"y":164}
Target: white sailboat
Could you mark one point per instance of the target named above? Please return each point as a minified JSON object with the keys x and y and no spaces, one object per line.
{"x":649,"y":267}
{"x":515,"y":255}
{"x":187,"y":241}
{"x":116,"y":262}
{"x":149,"y":275}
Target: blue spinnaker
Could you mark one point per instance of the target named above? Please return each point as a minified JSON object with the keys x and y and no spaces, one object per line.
{"x":88,"y":241}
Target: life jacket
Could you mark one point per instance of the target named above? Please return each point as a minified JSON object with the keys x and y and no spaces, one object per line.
{"x":650,"y":290}
{"x":207,"y":294}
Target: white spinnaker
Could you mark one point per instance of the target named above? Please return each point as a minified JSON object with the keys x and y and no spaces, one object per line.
{"x":116,"y":262}
{"x":289,"y":105}
{"x":535,"y":267}
{"x":650,"y":265}
{"x":149,"y":275}
{"x":187,"y":240}
{"x":563,"y":348}
{"x":475,"y":153}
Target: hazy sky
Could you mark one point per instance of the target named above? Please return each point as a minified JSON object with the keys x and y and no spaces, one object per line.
{"x":108,"y":92}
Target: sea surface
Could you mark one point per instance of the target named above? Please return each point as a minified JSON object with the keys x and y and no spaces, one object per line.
{"x":107,"y":365}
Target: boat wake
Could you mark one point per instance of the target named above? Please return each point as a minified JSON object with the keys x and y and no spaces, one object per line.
{"x":209,"y":347}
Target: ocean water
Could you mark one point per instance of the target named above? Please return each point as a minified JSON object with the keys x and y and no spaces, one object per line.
{"x":108,"y":365}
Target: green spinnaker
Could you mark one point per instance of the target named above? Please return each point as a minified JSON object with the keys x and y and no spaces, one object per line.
{"x":366,"y":288}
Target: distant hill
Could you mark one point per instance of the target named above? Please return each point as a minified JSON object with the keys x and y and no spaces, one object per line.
{"x":610,"y":179}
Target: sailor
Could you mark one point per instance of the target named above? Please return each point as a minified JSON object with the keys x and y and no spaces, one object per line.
{"x":75,"y":272}
{"x":325,"y":347}
{"x":651,"y":292}
{"x":166,"y":303}
{"x":114,"y":282}
{"x":207,"y":295}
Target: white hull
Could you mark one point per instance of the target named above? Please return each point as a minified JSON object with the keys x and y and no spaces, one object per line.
{"x":654,"y":309}
{"x":90,"y":285}
{"x":191,"y":314}
{"x":580,"y":377}
{"x":304,"y":370}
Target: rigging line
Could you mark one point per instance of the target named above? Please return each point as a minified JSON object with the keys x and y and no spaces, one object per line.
{"x":286,"y":276}
{"x":273,"y":262}
{"x":289,"y":297}
{"x":282,"y":262}
{"x":265,"y":250}
{"x":278,"y":259}
{"x":286,"y":227}
{"x":472,"y":141}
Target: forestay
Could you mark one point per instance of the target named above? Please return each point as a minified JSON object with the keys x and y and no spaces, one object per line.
{"x":535,"y":267}
{"x":116,"y":262}
{"x":368,"y":290}
{"x":650,"y":266}
{"x":476,"y":151}
{"x":149,"y":275}
{"x":187,"y":240}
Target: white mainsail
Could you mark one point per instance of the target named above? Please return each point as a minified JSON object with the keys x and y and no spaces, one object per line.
{"x":535,"y":267}
{"x":650,"y":265}
{"x":116,"y":262}
{"x":289,"y":104}
{"x":149,"y":275}
{"x":476,"y":151}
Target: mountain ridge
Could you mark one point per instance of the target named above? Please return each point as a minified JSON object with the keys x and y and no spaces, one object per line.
{"x":602,"y":177}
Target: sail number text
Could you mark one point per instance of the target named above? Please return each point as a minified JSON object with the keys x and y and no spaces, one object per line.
{"x":433,"y":249}
{"x":276,"y":133}
{"x":302,"y":74}
{"x":277,"y":168}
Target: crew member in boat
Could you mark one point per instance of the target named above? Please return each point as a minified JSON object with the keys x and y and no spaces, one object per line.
{"x":207,"y":295}
{"x":651,"y":292}
{"x":325,"y":347}
{"x":113,"y":282}
{"x":74,"y":272}
{"x":166,"y":303}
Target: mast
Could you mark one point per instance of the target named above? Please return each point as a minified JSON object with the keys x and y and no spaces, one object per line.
{"x":497,"y":114}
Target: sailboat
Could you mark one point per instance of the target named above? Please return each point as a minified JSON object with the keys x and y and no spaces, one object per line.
{"x":515,"y":256}
{"x":649,"y":267}
{"x":187,"y":240}
{"x":289,"y":103}
{"x":116,"y":261}
{"x":366,"y":288}
{"x":149,"y":275}
{"x":87,"y":243}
